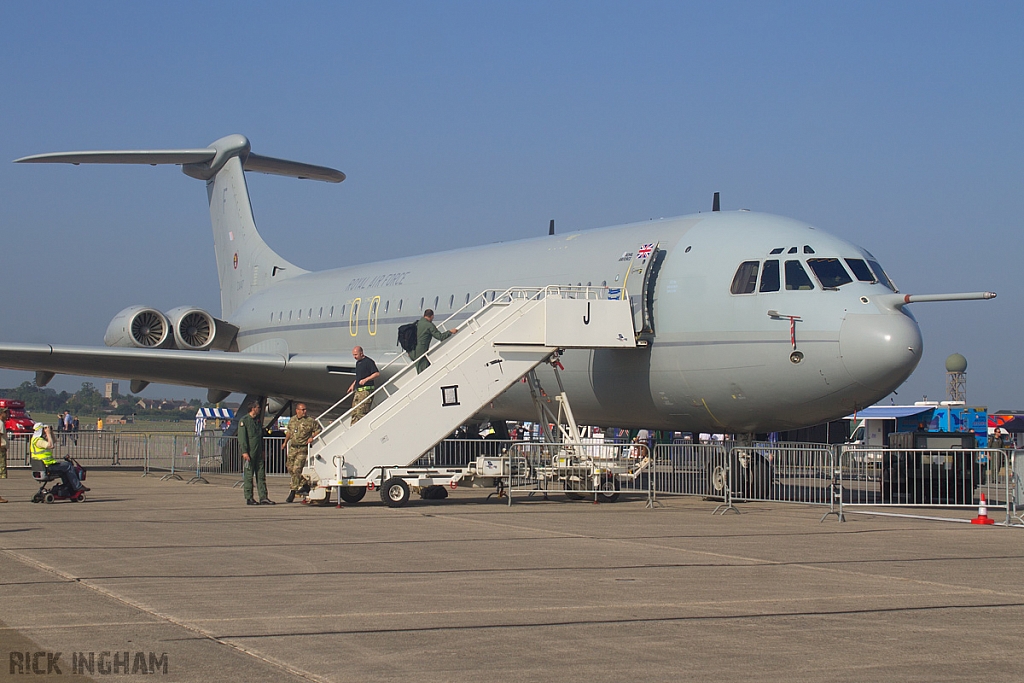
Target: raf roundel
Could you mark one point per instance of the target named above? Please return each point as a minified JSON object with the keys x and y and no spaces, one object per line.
{"x":236,"y":261}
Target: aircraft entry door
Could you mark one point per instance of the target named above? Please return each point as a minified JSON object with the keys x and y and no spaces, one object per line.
{"x":641,"y":281}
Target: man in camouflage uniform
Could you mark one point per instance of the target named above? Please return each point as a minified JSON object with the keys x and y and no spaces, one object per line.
{"x":362,"y":386}
{"x":301,"y":431}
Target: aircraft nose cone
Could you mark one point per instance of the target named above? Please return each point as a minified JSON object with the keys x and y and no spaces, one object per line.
{"x":881,"y":350}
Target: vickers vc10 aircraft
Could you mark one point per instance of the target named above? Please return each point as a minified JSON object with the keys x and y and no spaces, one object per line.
{"x":746,"y":322}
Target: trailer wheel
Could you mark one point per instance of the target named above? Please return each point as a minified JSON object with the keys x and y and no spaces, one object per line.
{"x":608,"y":491}
{"x":394,"y":492}
{"x":322,"y":502}
{"x":568,"y":487}
{"x":352,"y":494}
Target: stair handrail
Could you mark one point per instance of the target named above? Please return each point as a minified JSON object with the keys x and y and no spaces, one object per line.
{"x":496,"y":299}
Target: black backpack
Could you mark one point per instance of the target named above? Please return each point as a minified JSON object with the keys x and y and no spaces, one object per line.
{"x":407,"y":337}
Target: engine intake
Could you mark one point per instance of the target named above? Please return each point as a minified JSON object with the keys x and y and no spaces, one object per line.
{"x":196,"y":330}
{"x":139,"y":327}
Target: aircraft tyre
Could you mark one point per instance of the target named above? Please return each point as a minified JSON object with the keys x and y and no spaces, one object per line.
{"x":886,"y":482}
{"x":352,"y":494}
{"x":608,"y":491}
{"x":394,"y":492}
{"x":758,"y":483}
{"x":717,"y":480}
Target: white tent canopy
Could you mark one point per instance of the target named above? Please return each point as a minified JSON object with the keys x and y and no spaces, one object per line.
{"x":204,"y":414}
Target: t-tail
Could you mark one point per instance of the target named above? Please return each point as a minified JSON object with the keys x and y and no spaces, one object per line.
{"x":245,"y":263}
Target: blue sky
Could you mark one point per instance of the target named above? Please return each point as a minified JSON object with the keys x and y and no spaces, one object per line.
{"x":894,"y":125}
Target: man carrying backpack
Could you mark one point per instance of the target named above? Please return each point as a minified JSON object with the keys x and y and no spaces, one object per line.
{"x":425,"y":329}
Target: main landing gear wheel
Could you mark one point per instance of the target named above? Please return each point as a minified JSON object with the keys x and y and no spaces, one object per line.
{"x":608,"y":491}
{"x":394,"y":492}
{"x":352,"y":494}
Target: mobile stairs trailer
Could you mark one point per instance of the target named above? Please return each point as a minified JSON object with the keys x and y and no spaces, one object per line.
{"x":512,"y":333}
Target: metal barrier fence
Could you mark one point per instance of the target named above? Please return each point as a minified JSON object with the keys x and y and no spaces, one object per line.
{"x":461,"y":452}
{"x":921,"y":477}
{"x":771,"y":472}
{"x":802,"y":473}
{"x":178,"y":455}
{"x":690,"y":469}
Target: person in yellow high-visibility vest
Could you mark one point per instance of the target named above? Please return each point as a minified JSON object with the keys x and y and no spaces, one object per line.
{"x":41,"y":448}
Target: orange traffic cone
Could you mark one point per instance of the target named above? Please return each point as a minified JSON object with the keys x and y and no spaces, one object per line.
{"x":982,"y":517}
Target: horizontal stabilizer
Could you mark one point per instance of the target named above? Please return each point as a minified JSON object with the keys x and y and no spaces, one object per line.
{"x":151,"y":157}
{"x":293,"y":169}
{"x":199,"y":163}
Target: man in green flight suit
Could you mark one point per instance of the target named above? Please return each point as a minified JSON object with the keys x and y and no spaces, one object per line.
{"x":250,"y":443}
{"x":425,"y":330}
{"x":301,"y":431}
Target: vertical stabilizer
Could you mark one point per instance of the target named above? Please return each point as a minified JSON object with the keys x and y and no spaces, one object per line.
{"x":245,"y":264}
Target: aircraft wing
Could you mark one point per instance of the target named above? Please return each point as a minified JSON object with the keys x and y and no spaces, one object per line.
{"x":311,"y":377}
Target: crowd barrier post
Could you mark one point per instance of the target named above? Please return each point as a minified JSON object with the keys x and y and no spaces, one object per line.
{"x":145,"y":466}
{"x":173,"y":474}
{"x":198,"y":479}
{"x":1014,"y":492}
{"x":835,"y":503}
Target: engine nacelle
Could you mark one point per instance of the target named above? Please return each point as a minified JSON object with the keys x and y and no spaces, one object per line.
{"x":139,"y":327}
{"x":196,"y":330}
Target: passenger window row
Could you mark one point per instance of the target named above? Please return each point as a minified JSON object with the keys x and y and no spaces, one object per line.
{"x":328,"y":313}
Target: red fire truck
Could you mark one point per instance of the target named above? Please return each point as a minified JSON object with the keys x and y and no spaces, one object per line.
{"x":18,"y":421}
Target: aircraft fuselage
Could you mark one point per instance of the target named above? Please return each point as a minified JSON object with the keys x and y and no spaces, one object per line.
{"x":718,"y":361}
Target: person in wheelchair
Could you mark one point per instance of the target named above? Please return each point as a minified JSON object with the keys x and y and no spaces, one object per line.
{"x":41,"y":448}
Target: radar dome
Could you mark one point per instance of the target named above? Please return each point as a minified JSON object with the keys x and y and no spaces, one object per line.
{"x":956,"y":363}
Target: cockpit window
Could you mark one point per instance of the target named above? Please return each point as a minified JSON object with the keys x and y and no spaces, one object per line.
{"x":770,"y":276}
{"x":830,"y":272}
{"x":860,"y":270}
{"x":745,"y":279}
{"x":881,"y":276}
{"x":796,"y":276}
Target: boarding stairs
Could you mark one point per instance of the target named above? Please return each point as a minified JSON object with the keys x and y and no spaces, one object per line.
{"x":512,"y":333}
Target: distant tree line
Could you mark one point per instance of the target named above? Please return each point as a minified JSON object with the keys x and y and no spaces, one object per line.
{"x":88,"y":402}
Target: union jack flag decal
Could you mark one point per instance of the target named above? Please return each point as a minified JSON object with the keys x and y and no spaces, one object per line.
{"x":644,"y":252}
